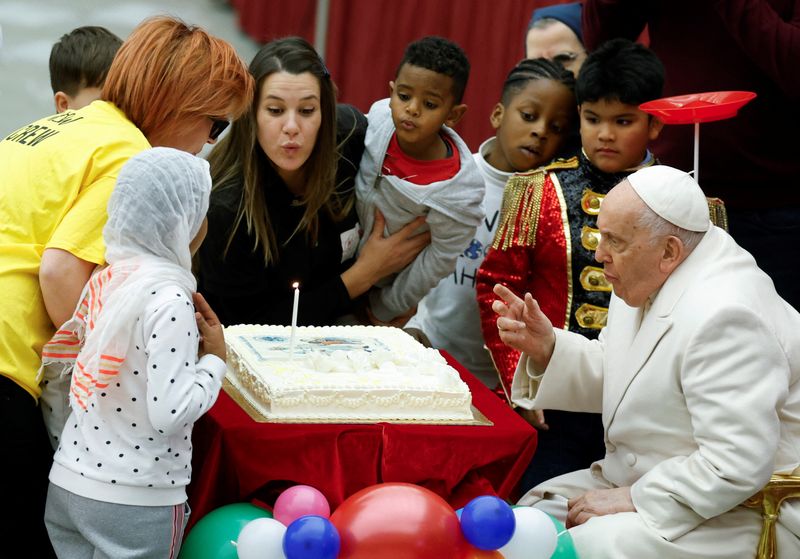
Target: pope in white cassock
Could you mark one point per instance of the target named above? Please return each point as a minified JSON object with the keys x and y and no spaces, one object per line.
{"x":695,"y":375}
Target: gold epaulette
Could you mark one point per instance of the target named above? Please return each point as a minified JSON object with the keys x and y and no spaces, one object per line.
{"x":717,"y":212}
{"x":519,"y":213}
{"x":522,"y":201}
{"x":556,"y":164}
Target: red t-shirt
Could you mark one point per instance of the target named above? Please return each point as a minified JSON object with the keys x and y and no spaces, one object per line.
{"x":398,"y":164}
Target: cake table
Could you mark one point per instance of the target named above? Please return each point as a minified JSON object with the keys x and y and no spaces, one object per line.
{"x":237,"y":459}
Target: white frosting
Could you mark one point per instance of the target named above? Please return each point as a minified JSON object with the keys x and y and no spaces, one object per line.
{"x":345,"y":373}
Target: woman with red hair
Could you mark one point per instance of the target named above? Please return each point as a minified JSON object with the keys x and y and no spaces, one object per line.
{"x":171,"y":85}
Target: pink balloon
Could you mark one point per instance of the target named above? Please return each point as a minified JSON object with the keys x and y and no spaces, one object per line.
{"x":298,"y":501}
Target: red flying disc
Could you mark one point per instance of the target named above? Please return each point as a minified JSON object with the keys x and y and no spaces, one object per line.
{"x":698,"y":107}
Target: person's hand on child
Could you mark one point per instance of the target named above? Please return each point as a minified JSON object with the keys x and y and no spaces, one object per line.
{"x":212,"y":340}
{"x":383,"y":256}
{"x":393,"y":253}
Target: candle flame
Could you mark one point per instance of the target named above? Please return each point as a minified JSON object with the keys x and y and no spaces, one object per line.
{"x":295,"y":285}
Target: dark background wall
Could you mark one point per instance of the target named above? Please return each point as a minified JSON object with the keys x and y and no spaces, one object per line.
{"x":366,"y":39}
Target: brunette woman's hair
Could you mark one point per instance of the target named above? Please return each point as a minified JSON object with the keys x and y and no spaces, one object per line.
{"x":238,"y":158}
{"x":167,"y":73}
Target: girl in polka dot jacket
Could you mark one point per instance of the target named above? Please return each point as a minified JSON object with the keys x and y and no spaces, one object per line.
{"x":138,"y":380}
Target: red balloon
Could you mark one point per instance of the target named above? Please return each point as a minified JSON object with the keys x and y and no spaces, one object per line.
{"x":397,"y":521}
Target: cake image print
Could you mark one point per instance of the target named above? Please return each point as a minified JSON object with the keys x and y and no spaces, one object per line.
{"x":276,"y":347}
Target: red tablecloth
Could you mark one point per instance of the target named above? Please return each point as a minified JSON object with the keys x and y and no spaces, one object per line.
{"x":237,"y":459}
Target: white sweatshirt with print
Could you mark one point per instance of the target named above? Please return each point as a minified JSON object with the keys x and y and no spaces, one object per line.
{"x":449,"y":315}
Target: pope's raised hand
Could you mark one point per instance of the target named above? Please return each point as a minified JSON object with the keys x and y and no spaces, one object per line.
{"x":523,"y":326}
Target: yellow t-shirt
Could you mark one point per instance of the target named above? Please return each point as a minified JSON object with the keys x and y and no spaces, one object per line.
{"x":57,"y":176}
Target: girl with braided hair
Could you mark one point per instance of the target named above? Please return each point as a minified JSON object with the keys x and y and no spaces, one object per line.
{"x":534,"y":120}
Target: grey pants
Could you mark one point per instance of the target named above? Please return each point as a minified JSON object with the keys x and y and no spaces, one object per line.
{"x":82,"y":528}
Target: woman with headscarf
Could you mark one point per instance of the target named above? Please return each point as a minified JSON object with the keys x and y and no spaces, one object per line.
{"x":138,"y":383}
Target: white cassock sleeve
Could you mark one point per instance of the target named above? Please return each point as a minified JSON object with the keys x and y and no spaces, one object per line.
{"x":573,"y":380}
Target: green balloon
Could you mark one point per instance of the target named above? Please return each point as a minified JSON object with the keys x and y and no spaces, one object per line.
{"x":565,"y":548}
{"x":559,"y":526}
{"x":214,"y":535}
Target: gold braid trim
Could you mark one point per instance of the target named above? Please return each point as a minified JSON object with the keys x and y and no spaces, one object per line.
{"x":522,"y":202}
{"x":717,"y":212}
{"x":571,"y":163}
{"x":519,"y":214}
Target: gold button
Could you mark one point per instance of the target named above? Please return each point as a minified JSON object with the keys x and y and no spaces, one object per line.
{"x":588,"y":320}
{"x":594,"y":203}
{"x":593,"y":280}
{"x":592,"y":242}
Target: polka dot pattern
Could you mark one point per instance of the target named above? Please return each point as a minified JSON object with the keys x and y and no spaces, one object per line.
{"x":139,"y":433}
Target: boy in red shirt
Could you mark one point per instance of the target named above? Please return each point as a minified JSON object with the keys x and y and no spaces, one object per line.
{"x":414,"y":164}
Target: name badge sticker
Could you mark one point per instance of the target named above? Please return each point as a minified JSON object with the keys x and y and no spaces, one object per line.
{"x":350,"y":239}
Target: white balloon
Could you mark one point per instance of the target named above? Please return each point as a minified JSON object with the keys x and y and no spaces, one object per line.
{"x":535,"y":536}
{"x":261,"y":538}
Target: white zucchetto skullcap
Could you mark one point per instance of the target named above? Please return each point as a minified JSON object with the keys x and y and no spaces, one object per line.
{"x":673,"y":195}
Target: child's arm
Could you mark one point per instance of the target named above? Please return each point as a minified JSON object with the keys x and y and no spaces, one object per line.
{"x":449,"y":237}
{"x":180,"y":388}
{"x":74,"y":248}
{"x":212,"y":338}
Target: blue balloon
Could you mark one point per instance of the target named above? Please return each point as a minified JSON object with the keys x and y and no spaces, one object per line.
{"x":311,"y":537}
{"x":458,"y":512}
{"x":488,"y":522}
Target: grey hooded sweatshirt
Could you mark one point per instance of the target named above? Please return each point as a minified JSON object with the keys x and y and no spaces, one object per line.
{"x":452,"y":206}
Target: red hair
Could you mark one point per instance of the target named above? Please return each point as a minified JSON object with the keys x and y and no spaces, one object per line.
{"x":167,"y":73}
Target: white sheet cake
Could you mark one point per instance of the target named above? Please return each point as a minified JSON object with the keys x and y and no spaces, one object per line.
{"x":347,"y":373}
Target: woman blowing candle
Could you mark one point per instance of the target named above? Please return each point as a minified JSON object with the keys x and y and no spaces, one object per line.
{"x":282,"y":208}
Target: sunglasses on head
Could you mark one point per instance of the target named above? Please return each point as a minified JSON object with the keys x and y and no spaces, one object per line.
{"x":217,"y":127}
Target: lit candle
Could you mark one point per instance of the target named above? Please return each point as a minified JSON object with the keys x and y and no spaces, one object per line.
{"x":292,"y":337}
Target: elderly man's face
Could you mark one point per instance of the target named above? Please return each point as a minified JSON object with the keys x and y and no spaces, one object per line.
{"x":556,"y":42}
{"x":631,"y":262}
